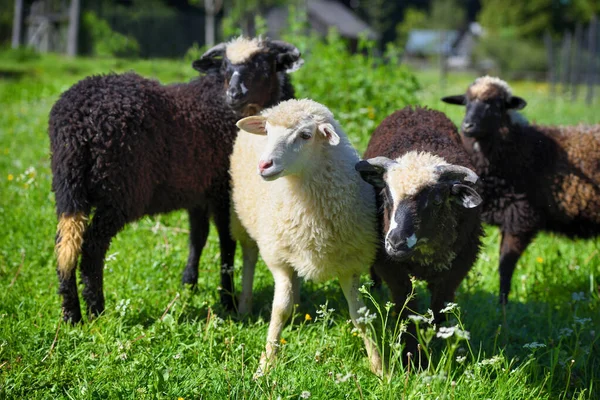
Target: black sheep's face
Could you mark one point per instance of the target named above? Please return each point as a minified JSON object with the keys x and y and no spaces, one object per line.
{"x":485,"y":116}
{"x":251,"y":70}
{"x":250,"y":84}
{"x":414,"y":223}
{"x":420,"y":203}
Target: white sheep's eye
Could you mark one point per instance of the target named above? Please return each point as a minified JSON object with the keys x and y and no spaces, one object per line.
{"x":305,"y":135}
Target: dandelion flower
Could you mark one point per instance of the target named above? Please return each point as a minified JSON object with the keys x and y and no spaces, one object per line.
{"x":10,"y":177}
{"x":539,"y":260}
{"x":282,"y":341}
{"x":307,"y":317}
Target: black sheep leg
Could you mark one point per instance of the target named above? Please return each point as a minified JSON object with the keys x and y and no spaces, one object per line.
{"x":105,"y":225}
{"x":511,"y":248}
{"x":70,"y":304}
{"x":227,"y":245}
{"x":199,"y":229}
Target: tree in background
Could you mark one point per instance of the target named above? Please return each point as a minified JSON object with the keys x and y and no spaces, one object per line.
{"x":6,"y":20}
{"x":442,"y":14}
{"x":514,"y":31}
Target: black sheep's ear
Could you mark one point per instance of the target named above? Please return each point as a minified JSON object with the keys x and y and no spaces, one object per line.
{"x":287,"y":56}
{"x":466,"y":196}
{"x":459,"y":99}
{"x":211,"y":60}
{"x":516,"y":103}
{"x":373,"y":169}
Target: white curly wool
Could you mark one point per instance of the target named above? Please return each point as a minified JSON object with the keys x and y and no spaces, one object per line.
{"x":319,"y":221}
{"x":241,"y":49}
{"x":482,"y":85}
{"x":412,"y":172}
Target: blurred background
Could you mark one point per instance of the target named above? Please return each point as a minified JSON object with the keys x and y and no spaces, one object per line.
{"x":554,"y":40}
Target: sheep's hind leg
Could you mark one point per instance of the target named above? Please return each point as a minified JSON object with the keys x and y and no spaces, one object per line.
{"x":70,"y":303}
{"x":104,"y":226}
{"x":250,"y":256}
{"x":198,"y":235}
{"x":349,"y":286}
{"x":282,"y":309}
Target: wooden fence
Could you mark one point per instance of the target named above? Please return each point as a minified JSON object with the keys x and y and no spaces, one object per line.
{"x":573,"y":62}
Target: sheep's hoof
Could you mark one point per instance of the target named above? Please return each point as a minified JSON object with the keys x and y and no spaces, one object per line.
{"x":263,"y":367}
{"x":228,"y":302}
{"x":258,"y":374}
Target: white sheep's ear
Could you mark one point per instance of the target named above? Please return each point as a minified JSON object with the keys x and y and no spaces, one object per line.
{"x":329,"y":132}
{"x":255,"y":124}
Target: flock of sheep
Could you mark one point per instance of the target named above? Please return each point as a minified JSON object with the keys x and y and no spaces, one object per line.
{"x":289,"y":185}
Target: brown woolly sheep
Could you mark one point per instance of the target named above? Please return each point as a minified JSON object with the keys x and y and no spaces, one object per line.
{"x":430,"y":225}
{"x":124,"y":146}
{"x":534,"y":178}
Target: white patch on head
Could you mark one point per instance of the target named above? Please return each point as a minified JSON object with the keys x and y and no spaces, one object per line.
{"x":411,"y":241}
{"x":412,"y":173}
{"x":482,"y":84}
{"x":244,"y":88}
{"x":239,"y":50}
{"x":393,"y":222}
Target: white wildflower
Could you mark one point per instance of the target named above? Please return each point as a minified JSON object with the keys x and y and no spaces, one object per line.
{"x":534,"y":345}
{"x":565,"y":332}
{"x":449,"y":307}
{"x":461,"y":359}
{"x":582,"y":321}
{"x":491,"y":361}
{"x":305,"y":394}
{"x":445,"y":332}
{"x":339,"y":378}
{"x":122,"y":306}
{"x":578,"y":296}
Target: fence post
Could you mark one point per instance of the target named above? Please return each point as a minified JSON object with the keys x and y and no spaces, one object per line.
{"x":592,"y":50}
{"x":73,"y":28}
{"x":551,"y":70}
{"x":17,"y":24}
{"x":565,"y":59}
{"x":576,"y":61}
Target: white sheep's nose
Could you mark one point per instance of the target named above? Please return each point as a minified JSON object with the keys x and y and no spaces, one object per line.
{"x":262,"y":165}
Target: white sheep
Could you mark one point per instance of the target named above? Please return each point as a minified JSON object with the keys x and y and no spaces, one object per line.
{"x":306,"y":209}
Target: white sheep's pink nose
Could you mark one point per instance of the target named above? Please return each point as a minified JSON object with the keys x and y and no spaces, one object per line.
{"x":262,"y":165}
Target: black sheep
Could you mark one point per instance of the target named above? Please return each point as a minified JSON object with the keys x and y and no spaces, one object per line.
{"x":124,"y":146}
{"x":430,"y":224}
{"x":535,"y":178}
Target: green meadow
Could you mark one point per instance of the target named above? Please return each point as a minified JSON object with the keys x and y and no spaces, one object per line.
{"x":158,"y":339}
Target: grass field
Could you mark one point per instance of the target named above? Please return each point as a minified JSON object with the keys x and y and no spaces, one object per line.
{"x":160,"y":340}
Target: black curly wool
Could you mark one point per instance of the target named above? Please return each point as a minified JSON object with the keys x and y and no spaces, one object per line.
{"x":537,"y":178}
{"x":124,"y":146}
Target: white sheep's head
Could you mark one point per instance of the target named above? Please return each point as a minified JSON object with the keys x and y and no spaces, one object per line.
{"x":251,"y":69}
{"x":489,"y":103}
{"x":422,"y":196}
{"x":297,"y":131}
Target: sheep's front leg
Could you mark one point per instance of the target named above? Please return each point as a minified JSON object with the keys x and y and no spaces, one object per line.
{"x":511,"y":248}
{"x":250,"y":257}
{"x":350,"y":287}
{"x":282,"y":309}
